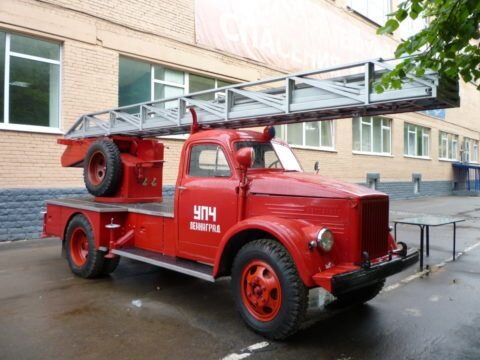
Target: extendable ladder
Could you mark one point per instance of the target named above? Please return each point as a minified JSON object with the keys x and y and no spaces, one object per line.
{"x":329,"y":93}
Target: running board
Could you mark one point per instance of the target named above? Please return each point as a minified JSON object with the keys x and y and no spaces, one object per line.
{"x":192,"y":268}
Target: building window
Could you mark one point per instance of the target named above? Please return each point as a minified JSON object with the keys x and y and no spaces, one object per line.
{"x":318,"y":134}
{"x":134,"y":83}
{"x":141,"y":81}
{"x":447,"y":146}
{"x":470,"y":150}
{"x":201,"y":83}
{"x":375,"y":10}
{"x":372,"y":135}
{"x":29,"y":83}
{"x":416,"y":141}
{"x":167,"y":83}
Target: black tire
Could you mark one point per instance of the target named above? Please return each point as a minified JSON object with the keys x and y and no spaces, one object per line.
{"x":91,"y":264}
{"x":109,"y":265}
{"x":293,"y":293}
{"x":102,"y":180}
{"x":359,"y":296}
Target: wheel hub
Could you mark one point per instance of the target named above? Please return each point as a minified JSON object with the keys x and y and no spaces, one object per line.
{"x":97,"y":168}
{"x":261,"y":290}
{"x":79,"y":247}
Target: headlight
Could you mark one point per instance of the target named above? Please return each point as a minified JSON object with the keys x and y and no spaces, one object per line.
{"x":325,"y":239}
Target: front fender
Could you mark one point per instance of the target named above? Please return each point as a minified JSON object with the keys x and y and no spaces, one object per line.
{"x":292,"y":234}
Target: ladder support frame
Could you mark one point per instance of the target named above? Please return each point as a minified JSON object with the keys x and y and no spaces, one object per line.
{"x":308,"y":96}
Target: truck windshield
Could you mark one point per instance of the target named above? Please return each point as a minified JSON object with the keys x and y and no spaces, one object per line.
{"x":271,"y":155}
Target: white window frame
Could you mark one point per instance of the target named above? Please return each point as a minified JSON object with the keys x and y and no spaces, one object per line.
{"x":448,"y":140}
{"x":414,"y":129}
{"x":443,"y":145}
{"x":367,"y":15}
{"x":466,"y":151}
{"x":369,"y":121}
{"x":284,"y":136}
{"x":166,"y":83}
{"x":6,"y":125}
{"x":470,"y":150}
{"x":185,"y":86}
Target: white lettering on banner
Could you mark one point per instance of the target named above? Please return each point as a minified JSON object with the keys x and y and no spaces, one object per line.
{"x":293,"y":35}
{"x":204,"y":213}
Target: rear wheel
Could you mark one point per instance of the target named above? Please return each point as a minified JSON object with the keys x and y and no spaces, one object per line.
{"x":359,"y":296}
{"x":267,"y":289}
{"x":102,"y":170}
{"x":82,"y":256}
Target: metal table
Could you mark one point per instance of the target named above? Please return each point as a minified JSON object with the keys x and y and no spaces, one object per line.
{"x":424,"y":222}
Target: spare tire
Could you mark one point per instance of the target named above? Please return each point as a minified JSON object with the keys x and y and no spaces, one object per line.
{"x":102,"y":168}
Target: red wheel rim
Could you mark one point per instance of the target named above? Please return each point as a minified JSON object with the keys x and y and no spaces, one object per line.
{"x":79,"y":247}
{"x":97,"y":168}
{"x":261,"y":290}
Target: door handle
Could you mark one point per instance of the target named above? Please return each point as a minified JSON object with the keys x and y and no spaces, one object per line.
{"x":182,"y":188}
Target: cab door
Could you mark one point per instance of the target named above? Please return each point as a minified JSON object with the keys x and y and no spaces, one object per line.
{"x":207,"y":201}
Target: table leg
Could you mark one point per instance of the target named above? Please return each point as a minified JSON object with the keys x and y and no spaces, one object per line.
{"x":421,"y":248}
{"x":428,"y":240}
{"x":454,"y":238}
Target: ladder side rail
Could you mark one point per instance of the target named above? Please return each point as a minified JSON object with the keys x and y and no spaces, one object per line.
{"x":234,"y":86}
{"x":332,"y":93}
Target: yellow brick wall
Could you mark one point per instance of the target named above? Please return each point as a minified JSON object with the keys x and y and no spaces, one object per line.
{"x":94,"y":33}
{"x":33,"y":160}
{"x":173,"y":151}
{"x":172,"y":19}
{"x":90,"y":80}
{"x":467,"y":116}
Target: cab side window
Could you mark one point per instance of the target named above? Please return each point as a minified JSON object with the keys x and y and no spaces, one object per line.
{"x":208,"y":161}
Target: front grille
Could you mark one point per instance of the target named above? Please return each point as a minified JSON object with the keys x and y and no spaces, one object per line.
{"x":374,"y":226}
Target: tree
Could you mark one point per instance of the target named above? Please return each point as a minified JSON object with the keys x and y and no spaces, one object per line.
{"x":449,"y":43}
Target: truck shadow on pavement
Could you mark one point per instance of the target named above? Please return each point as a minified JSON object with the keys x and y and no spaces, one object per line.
{"x":210,"y":307}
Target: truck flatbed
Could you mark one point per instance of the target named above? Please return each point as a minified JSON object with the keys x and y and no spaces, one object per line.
{"x":163,"y":208}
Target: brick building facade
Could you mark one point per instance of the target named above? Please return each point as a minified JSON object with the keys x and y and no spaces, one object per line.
{"x":75,"y":51}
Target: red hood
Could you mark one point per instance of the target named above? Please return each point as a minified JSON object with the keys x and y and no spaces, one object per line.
{"x":302,"y":184}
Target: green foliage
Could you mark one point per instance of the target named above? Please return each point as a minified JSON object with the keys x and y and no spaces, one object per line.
{"x":449,"y":43}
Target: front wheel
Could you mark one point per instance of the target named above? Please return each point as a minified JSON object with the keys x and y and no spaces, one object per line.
{"x":267,"y":289}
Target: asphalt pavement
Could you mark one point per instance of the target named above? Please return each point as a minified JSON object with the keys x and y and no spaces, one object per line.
{"x":142,"y":312}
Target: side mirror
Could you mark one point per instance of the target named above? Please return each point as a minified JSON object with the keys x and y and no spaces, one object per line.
{"x":245,"y":157}
{"x":316,"y":167}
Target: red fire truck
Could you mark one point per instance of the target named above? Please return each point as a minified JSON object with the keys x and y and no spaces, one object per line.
{"x":243,"y":207}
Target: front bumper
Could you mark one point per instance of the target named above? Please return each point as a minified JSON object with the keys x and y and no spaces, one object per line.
{"x":345,"y":282}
